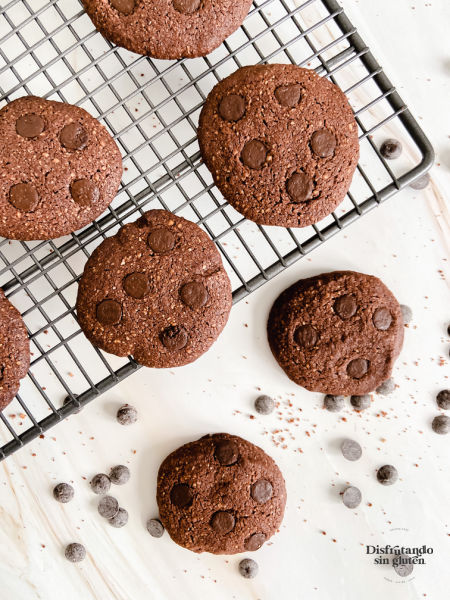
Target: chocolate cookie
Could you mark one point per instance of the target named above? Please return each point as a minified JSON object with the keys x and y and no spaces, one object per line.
{"x":167,"y":28}
{"x":14,"y":351}
{"x":336,"y":333}
{"x":220,"y":494}
{"x":59,"y":169}
{"x":281,"y":143}
{"x":156,"y":290}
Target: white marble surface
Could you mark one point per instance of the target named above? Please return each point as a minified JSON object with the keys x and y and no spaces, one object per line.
{"x":319,"y":552}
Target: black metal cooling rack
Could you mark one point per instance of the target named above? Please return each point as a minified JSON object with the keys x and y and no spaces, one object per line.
{"x":50,"y":48}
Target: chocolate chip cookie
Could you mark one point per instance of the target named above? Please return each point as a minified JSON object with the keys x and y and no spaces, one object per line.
{"x":281,"y":143}
{"x":14,"y":351}
{"x":156,"y":290}
{"x":336,"y":333}
{"x":59,"y":169}
{"x":168,"y":29}
{"x":220,"y":494}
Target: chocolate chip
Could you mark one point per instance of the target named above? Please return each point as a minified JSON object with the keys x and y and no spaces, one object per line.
{"x":443,"y":399}
{"x":323,"y":143}
{"x":391,"y":149}
{"x":100,"y":483}
{"x":333,"y":403}
{"x":186,"y":7}
{"x":84,"y":192}
{"x":421,"y":183}
{"x":261,"y":491}
{"x":232,"y":107}
{"x":351,"y":497}
{"x":407,"y":313}
{"x":357,"y":368}
{"x":24,"y":197}
{"x":161,"y":240}
{"x":248,"y":568}
{"x":136,"y":285}
{"x":119,"y":474}
{"x":441,"y":424}
{"x":345,"y":306}
{"x":30,"y":125}
{"x":306,"y":336}
{"x":255,"y":541}
{"x":226,"y":452}
{"x":127,"y":415}
{"x":299,"y":187}
{"x":222,"y":522}
{"x":401,"y":566}
{"x":351,"y":450}
{"x":63,"y":492}
{"x":254,"y":154}
{"x":73,"y":136}
{"x":360,"y":402}
{"x":126,"y":7}
{"x":155,"y":528}
{"x":387,"y":475}
{"x":387,"y":387}
{"x":108,"y":507}
{"x":181,"y":495}
{"x":264,"y":405}
{"x":194,"y":294}
{"x":174,"y":337}
{"x":109,"y":312}
{"x":288,"y":95}
{"x":448,"y":330}
{"x":382,"y":319}
{"x":75,"y":552}
{"x":120,"y":519}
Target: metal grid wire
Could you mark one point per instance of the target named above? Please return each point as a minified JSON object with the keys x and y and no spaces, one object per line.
{"x":151,"y":107}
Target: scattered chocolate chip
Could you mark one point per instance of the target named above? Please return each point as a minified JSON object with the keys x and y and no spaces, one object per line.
{"x":119,"y":475}
{"x":387,"y":475}
{"x":223,"y":522}
{"x":226,"y":452}
{"x":323,"y":143}
{"x":75,"y":552}
{"x":441,"y":424}
{"x":387,"y":387}
{"x":194,"y":294}
{"x":351,"y":497}
{"x":109,"y":312}
{"x":155,"y":528}
{"x":136,"y":285}
{"x":127,"y":415}
{"x":187,"y":7}
{"x":126,"y":7}
{"x":351,"y":450}
{"x":161,"y":240}
{"x":181,"y":495}
{"x":288,"y":95}
{"x":382,"y":319}
{"x":403,"y":569}
{"x":120,"y":519}
{"x":345,"y":306}
{"x":248,"y":568}
{"x":299,"y":187}
{"x":30,"y":125}
{"x":108,"y":507}
{"x":360,"y":402}
{"x":391,"y":149}
{"x":63,"y":492}
{"x":174,"y":337}
{"x":84,"y":192}
{"x":73,"y":136}
{"x":261,"y":491}
{"x":24,"y":197}
{"x":255,"y":541}
{"x":406,"y":313}
{"x":254,"y":154}
{"x":306,"y":336}
{"x":357,"y":368}
{"x":333,"y":403}
{"x":232,"y":107}
{"x":448,"y":330}
{"x":264,"y":405}
{"x":68,"y":400}
{"x":100,"y":483}
{"x":443,"y":399}
{"x":421,"y":183}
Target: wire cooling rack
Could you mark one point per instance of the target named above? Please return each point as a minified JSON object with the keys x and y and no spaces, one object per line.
{"x":151,"y":107}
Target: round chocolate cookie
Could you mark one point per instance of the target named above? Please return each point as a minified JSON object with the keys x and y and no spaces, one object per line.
{"x":156,"y":290}
{"x":336,"y":333}
{"x":59,"y":169}
{"x":14,"y":351}
{"x":220,"y":494}
{"x":281,"y":143}
{"x":168,"y":29}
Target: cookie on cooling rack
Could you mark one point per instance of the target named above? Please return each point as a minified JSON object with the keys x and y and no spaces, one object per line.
{"x":337,"y":333}
{"x":59,"y":169}
{"x":167,"y":29}
{"x":14,"y":350}
{"x":156,"y":290}
{"x":281,"y":143}
{"x":220,"y":494}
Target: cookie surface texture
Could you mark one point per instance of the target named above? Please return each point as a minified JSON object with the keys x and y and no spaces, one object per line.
{"x":336,"y":333}
{"x":281,"y":144}
{"x":156,"y":290}
{"x":220,"y":494}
